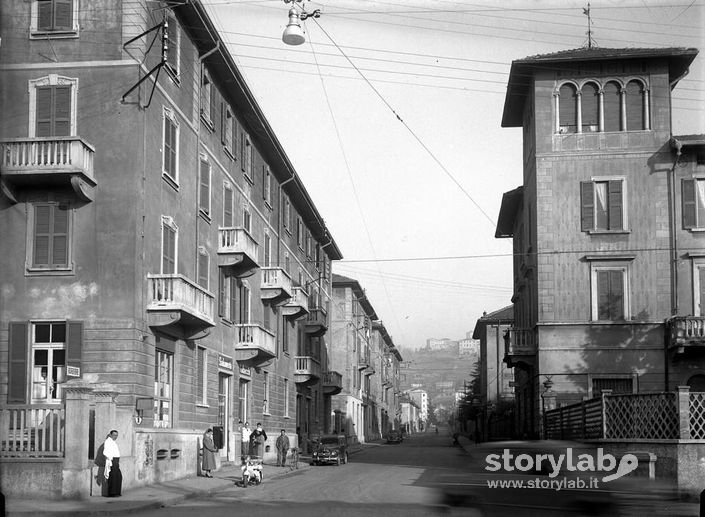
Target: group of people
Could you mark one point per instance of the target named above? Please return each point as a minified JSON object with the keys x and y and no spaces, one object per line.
{"x":253,"y":443}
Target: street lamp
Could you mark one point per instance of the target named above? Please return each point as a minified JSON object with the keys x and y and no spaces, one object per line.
{"x":293,"y":33}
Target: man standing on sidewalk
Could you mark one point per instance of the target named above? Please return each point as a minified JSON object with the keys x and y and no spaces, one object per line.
{"x":112,"y":465}
{"x":246,"y":432}
{"x":282,"y":446}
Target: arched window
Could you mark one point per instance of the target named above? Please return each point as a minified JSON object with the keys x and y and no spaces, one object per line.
{"x":611,"y":106}
{"x":697,"y":382}
{"x":568,"y":114}
{"x":635,"y":106}
{"x":590,"y":108}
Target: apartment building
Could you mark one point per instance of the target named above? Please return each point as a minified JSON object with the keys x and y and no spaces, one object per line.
{"x":163,"y":268}
{"x":605,"y":227}
{"x":364,"y":353}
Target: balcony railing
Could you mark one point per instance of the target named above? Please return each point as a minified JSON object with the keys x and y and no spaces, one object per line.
{"x":519,"y":345}
{"x":686,"y":331}
{"x":332,"y":383}
{"x":253,"y":337}
{"x":308,"y":367}
{"x":316,"y":321}
{"x":276,"y":283}
{"x":175,"y":292}
{"x":32,"y":431}
{"x":237,"y":240}
{"x":297,"y":304}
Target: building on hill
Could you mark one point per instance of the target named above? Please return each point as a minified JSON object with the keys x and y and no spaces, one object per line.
{"x":607,"y":229}
{"x":439,"y":344}
{"x":469,"y":348}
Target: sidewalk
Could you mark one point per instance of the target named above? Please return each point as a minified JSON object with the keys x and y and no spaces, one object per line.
{"x":144,"y":498}
{"x":148,"y":497}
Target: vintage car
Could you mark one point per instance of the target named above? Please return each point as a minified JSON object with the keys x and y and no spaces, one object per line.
{"x":394,"y":437}
{"x":331,"y":449}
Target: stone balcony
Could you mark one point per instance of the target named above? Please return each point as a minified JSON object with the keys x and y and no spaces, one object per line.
{"x":276,"y":286}
{"x":332,"y":383}
{"x":316,"y":321}
{"x":179,"y":306}
{"x":686,"y":332}
{"x":237,"y":251}
{"x":254,"y":345}
{"x":297,"y":306}
{"x":47,"y":163}
{"x":519,"y":347}
{"x":307,"y":370}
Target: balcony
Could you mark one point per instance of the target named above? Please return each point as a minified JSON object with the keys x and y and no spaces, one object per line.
{"x":519,"y":347}
{"x":276,"y":285}
{"x":41,"y":162}
{"x":297,"y":306}
{"x":316,"y":322}
{"x":179,"y":307}
{"x":237,"y":251}
{"x":308,"y":370}
{"x":254,"y":345}
{"x":686,"y":332}
{"x":332,"y":383}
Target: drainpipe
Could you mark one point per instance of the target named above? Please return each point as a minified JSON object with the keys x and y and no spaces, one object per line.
{"x":674,"y":254}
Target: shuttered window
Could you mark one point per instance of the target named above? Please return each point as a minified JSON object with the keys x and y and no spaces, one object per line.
{"x":55,"y":15}
{"x":602,"y":205}
{"x":693,"y":200}
{"x":244,"y":304}
{"x":208,"y":100}
{"x":590,"y":108}
{"x":201,"y":388}
{"x":168,"y":249}
{"x":226,"y":127}
{"x":611,"y":107}
{"x":53,"y":111}
{"x":17,"y":363}
{"x":51,"y":236}
{"x":610,"y":294}
{"x":232,"y":293}
{"x":227,"y":207}
{"x":171,"y":142}
{"x":204,"y":189}
{"x":267,"y":250}
{"x":173,"y":42}
{"x":635,"y":106}
{"x":568,"y":119}
{"x":203,"y":265}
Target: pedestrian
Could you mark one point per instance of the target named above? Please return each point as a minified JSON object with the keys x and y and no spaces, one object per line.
{"x":209,"y":451}
{"x":112,"y":465}
{"x":246,"y":432}
{"x":257,"y":439}
{"x":282,"y":446}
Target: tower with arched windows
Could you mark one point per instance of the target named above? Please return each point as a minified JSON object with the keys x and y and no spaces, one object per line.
{"x":606,"y":265}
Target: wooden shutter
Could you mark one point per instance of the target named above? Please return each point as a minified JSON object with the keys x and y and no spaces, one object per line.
{"x":42,"y":230}
{"x":243,"y":153}
{"x":74,"y":343}
{"x":205,"y":187}
{"x":223,"y":117}
{"x":43,"y":111}
{"x":587,"y":203}
{"x":267,"y":246}
{"x":635,"y":106}
{"x":45,"y":12}
{"x":63,"y":15}
{"x":233,"y":298}
{"x":615,"y":205}
{"x":168,"y":250}
{"x":170,"y":147}
{"x":689,"y":205}
{"x":616,"y":295}
{"x":211,"y":108}
{"x":60,"y":236}
{"x":568,"y":117}
{"x":62,"y":111}
{"x":17,"y":363}
{"x":227,"y":208}
{"x":611,"y":107}
{"x":203,"y":270}
{"x":221,"y":292}
{"x":201,"y":372}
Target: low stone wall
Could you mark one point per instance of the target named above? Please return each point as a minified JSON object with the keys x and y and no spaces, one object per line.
{"x":33,"y":478}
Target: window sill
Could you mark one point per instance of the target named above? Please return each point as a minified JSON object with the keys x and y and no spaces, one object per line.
{"x":204,"y":406}
{"x":696,"y":230}
{"x":248,"y":177}
{"x":610,"y":232}
{"x":37,"y":271}
{"x":62,"y":34}
{"x":228,"y":152}
{"x":207,"y":122}
{"x":171,"y":181}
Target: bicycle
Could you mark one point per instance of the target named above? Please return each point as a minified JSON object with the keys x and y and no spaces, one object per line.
{"x":294,"y":462}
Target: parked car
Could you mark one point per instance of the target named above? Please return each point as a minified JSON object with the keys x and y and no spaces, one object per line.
{"x":394,"y":437}
{"x":330,"y":449}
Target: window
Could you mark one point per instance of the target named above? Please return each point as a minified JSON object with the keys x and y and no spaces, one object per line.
{"x":300,"y":233}
{"x":267,"y":249}
{"x":226,"y":128}
{"x":590,"y":108}
{"x":267,"y":185}
{"x":286,"y":397}
{"x":568,"y":103}
{"x":204,"y":187}
{"x":50,"y":236}
{"x":203,"y":266}
{"x":52,"y":106}
{"x":612,"y":100}
{"x":609,"y":293}
{"x":635,"y":102}
{"x":244,"y":303}
{"x":617,"y":385}
{"x":170,"y":152}
{"x":202,"y":377}
{"x":247,"y":155}
{"x":173,"y":46}
{"x":227,"y":293}
{"x":169,"y":234}
{"x":242,"y":398}
{"x":287,"y":215}
{"x":54,"y":18}
{"x":693,"y":199}
{"x":699,"y":286}
{"x":207,"y":100}
{"x":246,"y":219}
{"x":224,"y":402}
{"x":285,"y":336}
{"x":227,"y":205}
{"x":603,"y":204}
{"x":163,"y":388}
{"x":265,"y":402}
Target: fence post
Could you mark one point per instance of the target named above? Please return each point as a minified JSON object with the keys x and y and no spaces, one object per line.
{"x":76,"y":469}
{"x":683,"y":408}
{"x":604,"y":395}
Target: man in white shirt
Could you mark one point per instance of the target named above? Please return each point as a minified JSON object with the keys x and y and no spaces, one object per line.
{"x":246,"y":432}
{"x":112,"y":465}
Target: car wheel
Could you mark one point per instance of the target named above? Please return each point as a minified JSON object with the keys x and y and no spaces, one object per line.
{"x":337,"y":461}
{"x":244,"y":481}
{"x":345,"y":459}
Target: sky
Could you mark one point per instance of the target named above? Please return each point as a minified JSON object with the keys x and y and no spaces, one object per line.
{"x":391,"y":114}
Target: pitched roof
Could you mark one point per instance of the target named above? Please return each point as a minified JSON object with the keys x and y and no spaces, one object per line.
{"x":523,"y":70}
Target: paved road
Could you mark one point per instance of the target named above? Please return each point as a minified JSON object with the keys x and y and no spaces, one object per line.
{"x":401,"y":480}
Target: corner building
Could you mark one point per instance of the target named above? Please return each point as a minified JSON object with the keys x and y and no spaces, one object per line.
{"x":163,"y":269}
